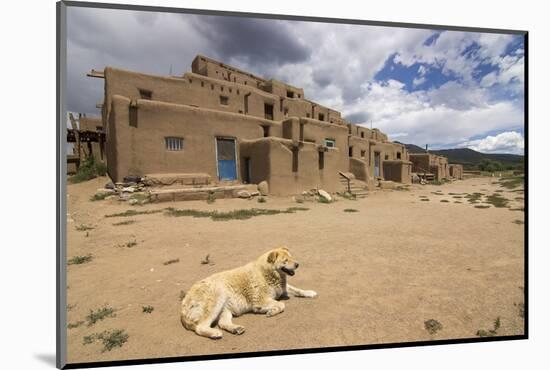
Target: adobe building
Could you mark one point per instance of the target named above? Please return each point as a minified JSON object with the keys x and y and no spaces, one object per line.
{"x":86,"y":135}
{"x":428,"y":163}
{"x":456,"y":171}
{"x":229,"y":126}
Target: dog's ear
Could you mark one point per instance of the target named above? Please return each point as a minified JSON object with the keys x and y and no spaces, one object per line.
{"x":285,"y":248}
{"x":272,"y":257}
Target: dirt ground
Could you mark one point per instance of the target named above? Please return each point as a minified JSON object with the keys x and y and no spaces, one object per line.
{"x":380,"y":272}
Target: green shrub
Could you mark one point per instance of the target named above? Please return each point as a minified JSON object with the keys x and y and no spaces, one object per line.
{"x":89,"y":169}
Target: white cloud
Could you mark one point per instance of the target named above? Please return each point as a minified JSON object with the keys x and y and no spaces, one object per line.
{"x":506,"y":142}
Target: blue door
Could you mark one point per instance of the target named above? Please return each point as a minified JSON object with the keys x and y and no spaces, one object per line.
{"x":227,"y":159}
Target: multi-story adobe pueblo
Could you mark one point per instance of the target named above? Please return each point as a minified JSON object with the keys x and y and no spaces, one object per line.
{"x":226,"y":125}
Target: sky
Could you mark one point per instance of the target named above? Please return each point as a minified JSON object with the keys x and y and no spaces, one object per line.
{"x":445,"y":89}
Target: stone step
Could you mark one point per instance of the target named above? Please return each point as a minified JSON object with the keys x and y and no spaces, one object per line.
{"x":200,"y":193}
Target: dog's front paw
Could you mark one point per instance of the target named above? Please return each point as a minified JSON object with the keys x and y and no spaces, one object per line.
{"x":238,"y":330}
{"x":310,"y":294}
{"x":273,"y":311}
{"x":216,"y":334}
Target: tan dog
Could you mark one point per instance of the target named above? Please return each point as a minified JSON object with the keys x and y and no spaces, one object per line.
{"x":254,"y":287}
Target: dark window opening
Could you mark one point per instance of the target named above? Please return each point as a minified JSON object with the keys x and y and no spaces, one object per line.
{"x":363,"y":152}
{"x":386,"y":157}
{"x":307,"y":115}
{"x":268,"y":111}
{"x":202,"y":83}
{"x":266,"y":131}
{"x":238,"y":92}
{"x":295,"y":160}
{"x":145,"y":94}
{"x":398,"y":155}
{"x":230,"y":90}
{"x":224,"y":100}
{"x":289,"y":94}
{"x":301,"y":132}
{"x":286,"y":112}
{"x":362,"y":134}
{"x":211,"y":87}
{"x":321,"y":160}
{"x":321,"y":117}
{"x":246,"y":83}
{"x":350,"y":151}
{"x":133,"y":115}
{"x":221,"y":88}
{"x":330,"y":143}
{"x":281,"y":105}
{"x":299,"y":96}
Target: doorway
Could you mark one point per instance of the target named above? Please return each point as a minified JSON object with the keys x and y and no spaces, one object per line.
{"x":226,"y":158}
{"x":376,"y":164}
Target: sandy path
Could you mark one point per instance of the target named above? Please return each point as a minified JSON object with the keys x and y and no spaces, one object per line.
{"x":380,"y":272}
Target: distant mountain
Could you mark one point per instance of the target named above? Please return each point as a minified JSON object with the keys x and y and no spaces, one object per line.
{"x":470,"y":158}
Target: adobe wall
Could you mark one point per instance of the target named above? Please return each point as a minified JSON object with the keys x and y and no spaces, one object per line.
{"x":456,"y":171}
{"x":287,"y":175}
{"x":398,"y":171}
{"x":138,"y":147}
{"x":420,"y":162}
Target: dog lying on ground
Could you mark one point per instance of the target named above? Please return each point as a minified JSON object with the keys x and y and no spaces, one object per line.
{"x":254,"y":287}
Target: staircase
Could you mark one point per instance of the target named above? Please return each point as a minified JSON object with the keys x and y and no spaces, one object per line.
{"x":350,"y":184}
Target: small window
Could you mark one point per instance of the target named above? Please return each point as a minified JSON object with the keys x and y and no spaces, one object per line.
{"x":321,"y":117}
{"x":224,"y":100}
{"x":398,"y":155}
{"x":211,"y":87}
{"x":386,"y":157}
{"x":362,"y":134}
{"x":173,"y":144}
{"x":266,"y":131}
{"x":145,"y":94}
{"x":202,"y":83}
{"x":350,"y":152}
{"x":221,"y":88}
{"x":299,"y":95}
{"x":238,"y":92}
{"x":289,"y":94}
{"x":268,"y":111}
{"x":286,"y":112}
{"x":307,"y":115}
{"x":363,"y":152}
{"x":330,"y":143}
{"x":230,"y":90}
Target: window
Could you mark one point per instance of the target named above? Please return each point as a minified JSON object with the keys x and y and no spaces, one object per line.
{"x":321,"y":160}
{"x":350,"y":151}
{"x":321,"y":117}
{"x":307,"y":115}
{"x":266,"y":131}
{"x":398,"y":155}
{"x":224,"y":100}
{"x":363,"y":152}
{"x":268,"y":111}
{"x":202,"y":83}
{"x":145,"y":94}
{"x":173,"y":143}
{"x":289,"y":94}
{"x":386,"y":157}
{"x":362,"y":134}
{"x":286,"y":112}
{"x":330,"y":143}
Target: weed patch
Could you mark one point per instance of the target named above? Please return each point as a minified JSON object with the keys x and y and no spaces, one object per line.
{"x":492,"y":332}
{"x":84,"y":227}
{"x":169,"y":262}
{"x":511,"y":182}
{"x":99,"y":315}
{"x":128,"y":222}
{"x":147,"y":309}
{"x":497,"y":201}
{"x":133,"y":212}
{"x":109,"y":339}
{"x":241,"y":214}
{"x":350,"y":210}
{"x":99,"y":196}
{"x":130,"y":244}
{"x":482,"y":206}
{"x":79,"y":260}
{"x":432,"y":326}
{"x":74,"y":324}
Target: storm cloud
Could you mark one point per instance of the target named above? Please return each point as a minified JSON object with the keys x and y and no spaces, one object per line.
{"x":437,"y":88}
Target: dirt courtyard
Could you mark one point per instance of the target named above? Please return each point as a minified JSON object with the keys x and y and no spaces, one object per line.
{"x":381,"y":271}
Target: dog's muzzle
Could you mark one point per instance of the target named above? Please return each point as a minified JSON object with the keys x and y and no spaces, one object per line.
{"x":288,"y":271}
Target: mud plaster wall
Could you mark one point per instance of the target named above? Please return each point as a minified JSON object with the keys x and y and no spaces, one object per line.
{"x":141,"y":150}
{"x":272,"y":160}
{"x":398,"y":171}
{"x":456,"y":171}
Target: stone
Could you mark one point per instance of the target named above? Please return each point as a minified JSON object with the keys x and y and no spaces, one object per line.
{"x":105,"y":191}
{"x":325,"y":195}
{"x":133,"y":201}
{"x":244,"y":194}
{"x":415,"y":179}
{"x":110,"y":185}
{"x":263,"y":188}
{"x":387,"y":184}
{"x":128,"y":189}
{"x":255,"y":193}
